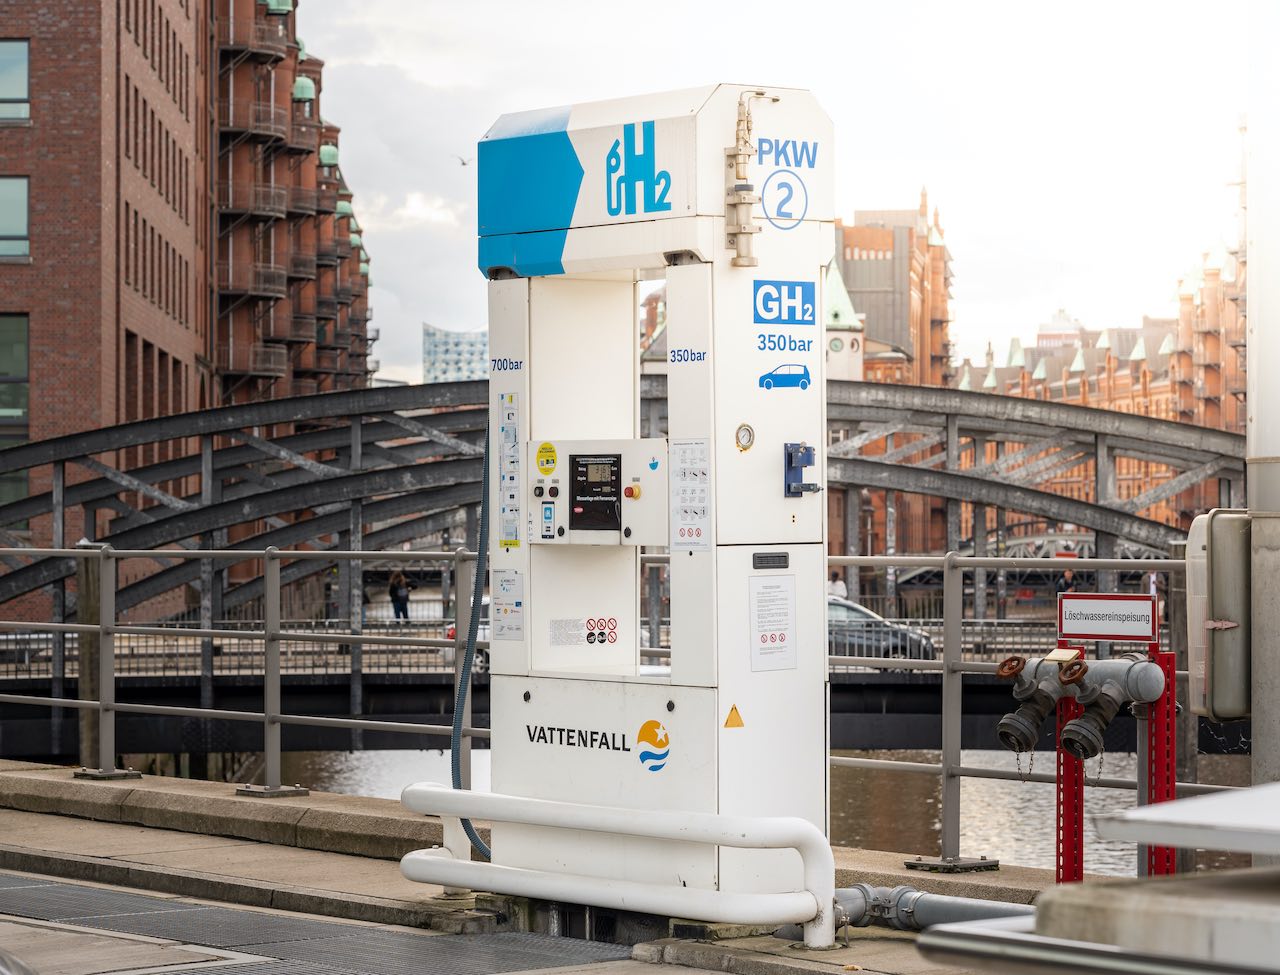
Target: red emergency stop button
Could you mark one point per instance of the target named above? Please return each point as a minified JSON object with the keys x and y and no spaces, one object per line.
{"x":631,"y":491}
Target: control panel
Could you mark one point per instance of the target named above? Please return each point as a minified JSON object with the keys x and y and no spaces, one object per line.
{"x":598,"y":492}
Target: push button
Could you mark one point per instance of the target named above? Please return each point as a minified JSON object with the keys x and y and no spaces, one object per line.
{"x":631,"y":491}
{"x":537,"y":491}
{"x":553,"y":491}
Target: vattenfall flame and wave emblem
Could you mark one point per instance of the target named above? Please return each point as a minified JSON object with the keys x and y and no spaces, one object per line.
{"x":655,"y":745}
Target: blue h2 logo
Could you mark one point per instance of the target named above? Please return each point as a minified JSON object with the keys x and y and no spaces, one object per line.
{"x":627,"y":169}
{"x":785,"y":303}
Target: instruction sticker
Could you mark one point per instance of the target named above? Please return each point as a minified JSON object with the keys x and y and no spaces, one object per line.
{"x":509,"y":471}
{"x":569,"y":633}
{"x":771,"y":601}
{"x":508,"y":605}
{"x":547,"y":459}
{"x":690,"y":485}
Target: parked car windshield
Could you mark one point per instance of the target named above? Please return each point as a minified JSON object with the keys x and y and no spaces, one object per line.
{"x":838,"y":609}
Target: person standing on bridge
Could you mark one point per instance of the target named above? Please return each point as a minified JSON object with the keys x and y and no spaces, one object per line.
{"x":399,"y":591}
{"x":1067,"y":581}
{"x":836,"y":587}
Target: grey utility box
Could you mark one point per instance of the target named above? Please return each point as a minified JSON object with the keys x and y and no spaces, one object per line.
{"x":1218,"y":614}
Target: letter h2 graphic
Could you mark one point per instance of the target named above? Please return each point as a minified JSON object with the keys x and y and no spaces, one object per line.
{"x":627,"y":169}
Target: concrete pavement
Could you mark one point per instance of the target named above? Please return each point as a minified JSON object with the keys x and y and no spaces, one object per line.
{"x":299,"y":855}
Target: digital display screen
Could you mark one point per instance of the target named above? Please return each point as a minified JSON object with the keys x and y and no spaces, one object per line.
{"x":599,"y":473}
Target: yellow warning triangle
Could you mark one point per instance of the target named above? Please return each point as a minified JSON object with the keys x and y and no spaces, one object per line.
{"x":735,"y":719}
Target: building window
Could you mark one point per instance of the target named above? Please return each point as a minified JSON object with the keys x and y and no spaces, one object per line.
{"x":13,"y":373}
{"x":13,"y":401}
{"x":15,"y":73}
{"x":14,"y":241}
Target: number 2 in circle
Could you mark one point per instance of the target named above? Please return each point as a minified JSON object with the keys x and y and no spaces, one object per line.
{"x":783,"y":208}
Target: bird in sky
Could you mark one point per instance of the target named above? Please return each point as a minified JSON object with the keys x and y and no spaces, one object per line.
{"x":463,"y":162}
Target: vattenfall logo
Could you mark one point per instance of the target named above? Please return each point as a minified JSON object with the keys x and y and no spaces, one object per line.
{"x":628,"y":168}
{"x":652,"y":739}
{"x":656,"y":745}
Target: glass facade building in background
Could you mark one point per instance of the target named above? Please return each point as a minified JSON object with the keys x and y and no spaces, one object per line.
{"x":451,"y":357}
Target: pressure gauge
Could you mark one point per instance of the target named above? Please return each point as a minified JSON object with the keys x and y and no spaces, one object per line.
{"x":745,"y":437}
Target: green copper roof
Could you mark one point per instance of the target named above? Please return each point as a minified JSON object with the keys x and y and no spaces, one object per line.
{"x":364,"y":255}
{"x":1139,"y":353}
{"x":1039,"y":374}
{"x":355,"y":240}
{"x":1167,"y":347}
{"x":302,"y":49}
{"x":304,"y":89}
{"x":1017,"y":359}
{"x":328,"y":154}
{"x":279,"y":8}
{"x":1077,"y":364}
{"x":1104,"y":340}
{"x":355,"y":225}
{"x":838,"y":309}
{"x":343,"y":208}
{"x":364,"y":267}
{"x":965,"y":382}
{"x":990,"y":381}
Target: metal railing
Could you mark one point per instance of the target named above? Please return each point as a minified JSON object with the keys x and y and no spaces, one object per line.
{"x":276,"y":646}
{"x":272,"y":637}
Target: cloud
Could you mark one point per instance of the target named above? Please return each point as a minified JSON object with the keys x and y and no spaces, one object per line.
{"x":1078,"y":152}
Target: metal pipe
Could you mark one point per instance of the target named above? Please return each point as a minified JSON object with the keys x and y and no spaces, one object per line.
{"x":271,"y":679}
{"x":1262,"y":445}
{"x":908,"y":909}
{"x":106,"y":659}
{"x":436,"y":867}
{"x":814,"y":905}
{"x":952,"y":689}
{"x":1010,"y":775}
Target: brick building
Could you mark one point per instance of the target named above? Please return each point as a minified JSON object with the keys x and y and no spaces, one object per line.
{"x":897,"y":270}
{"x":1190,"y":369}
{"x":175,"y":231}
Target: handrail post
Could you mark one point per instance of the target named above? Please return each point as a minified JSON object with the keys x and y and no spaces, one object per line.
{"x":952,"y":616}
{"x":271,"y":787}
{"x":465,"y":568}
{"x":107,"y":673}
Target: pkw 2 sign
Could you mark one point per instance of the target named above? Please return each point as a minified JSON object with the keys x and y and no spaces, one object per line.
{"x":1121,"y":617}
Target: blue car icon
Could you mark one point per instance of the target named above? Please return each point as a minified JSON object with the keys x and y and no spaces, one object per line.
{"x":788,"y":375}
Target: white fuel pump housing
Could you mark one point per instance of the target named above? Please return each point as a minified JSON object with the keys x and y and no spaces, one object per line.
{"x":726,"y":192}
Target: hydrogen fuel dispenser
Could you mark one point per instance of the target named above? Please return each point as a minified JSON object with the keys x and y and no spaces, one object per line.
{"x":726,"y":193}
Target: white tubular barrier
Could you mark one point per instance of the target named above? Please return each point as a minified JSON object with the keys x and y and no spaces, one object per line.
{"x":813,"y":907}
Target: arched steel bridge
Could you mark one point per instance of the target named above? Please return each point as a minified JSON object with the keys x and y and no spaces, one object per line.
{"x":402,"y":462}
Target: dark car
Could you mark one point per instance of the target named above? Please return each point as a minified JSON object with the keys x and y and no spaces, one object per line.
{"x":855,"y":631}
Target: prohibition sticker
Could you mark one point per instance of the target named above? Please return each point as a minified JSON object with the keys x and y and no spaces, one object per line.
{"x":546,"y":459}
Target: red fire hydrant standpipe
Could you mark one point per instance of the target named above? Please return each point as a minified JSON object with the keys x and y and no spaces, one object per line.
{"x":1160,"y":743}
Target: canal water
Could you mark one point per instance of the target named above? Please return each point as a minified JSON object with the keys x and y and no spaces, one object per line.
{"x":878,"y":810}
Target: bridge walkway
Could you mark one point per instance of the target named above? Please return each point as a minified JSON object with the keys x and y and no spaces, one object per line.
{"x":278,"y":862}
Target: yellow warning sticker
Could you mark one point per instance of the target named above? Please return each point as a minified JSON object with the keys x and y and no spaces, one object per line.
{"x":547,"y":459}
{"x":735,"y":719}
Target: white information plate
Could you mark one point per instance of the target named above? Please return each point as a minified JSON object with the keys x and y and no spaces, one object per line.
{"x":690,"y":487}
{"x":771,"y":601}
{"x":508,"y":605}
{"x":1123,"y":617}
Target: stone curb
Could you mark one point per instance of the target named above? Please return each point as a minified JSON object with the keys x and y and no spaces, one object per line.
{"x":250,"y":893}
{"x":376,"y":828}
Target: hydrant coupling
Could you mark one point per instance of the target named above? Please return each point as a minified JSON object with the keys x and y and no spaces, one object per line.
{"x":1102,"y":686}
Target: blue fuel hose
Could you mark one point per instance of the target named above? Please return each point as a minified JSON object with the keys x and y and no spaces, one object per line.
{"x":469,"y":655}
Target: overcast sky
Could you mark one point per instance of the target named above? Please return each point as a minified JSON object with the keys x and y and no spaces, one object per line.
{"x":1080,"y":154}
